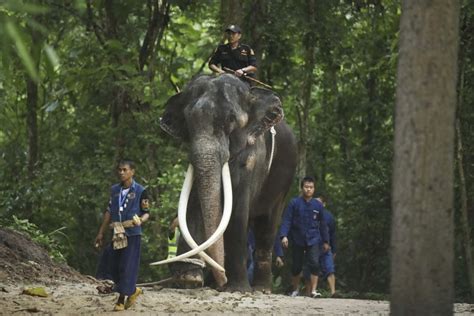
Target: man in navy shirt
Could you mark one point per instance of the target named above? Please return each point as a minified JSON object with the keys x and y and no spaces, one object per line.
{"x":303,"y":222}
{"x":128,"y":210}
{"x":234,"y":55}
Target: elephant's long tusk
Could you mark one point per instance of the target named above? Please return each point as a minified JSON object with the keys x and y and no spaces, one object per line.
{"x":220,"y":229}
{"x":182,"y":208}
{"x":183,"y":226}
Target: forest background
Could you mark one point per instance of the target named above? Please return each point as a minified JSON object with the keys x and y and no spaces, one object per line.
{"x":83,"y":83}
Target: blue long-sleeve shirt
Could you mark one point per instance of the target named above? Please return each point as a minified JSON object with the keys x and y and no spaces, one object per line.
{"x":303,"y":221}
{"x":251,"y":240}
{"x":277,"y":248}
{"x":328,"y":218}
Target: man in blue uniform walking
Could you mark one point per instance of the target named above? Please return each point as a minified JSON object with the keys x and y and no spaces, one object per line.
{"x":326,"y":260}
{"x":128,"y":210}
{"x":303,"y":222}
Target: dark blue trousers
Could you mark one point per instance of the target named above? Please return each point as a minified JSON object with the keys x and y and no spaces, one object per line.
{"x":105,"y":261}
{"x":125,"y":263}
{"x":310,"y":253}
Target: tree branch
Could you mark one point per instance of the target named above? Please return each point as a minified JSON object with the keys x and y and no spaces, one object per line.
{"x":95,"y":27}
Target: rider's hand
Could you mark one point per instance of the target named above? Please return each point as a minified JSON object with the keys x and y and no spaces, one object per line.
{"x":239,"y":73}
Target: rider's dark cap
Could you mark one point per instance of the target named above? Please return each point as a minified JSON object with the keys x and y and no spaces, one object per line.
{"x":233,"y":28}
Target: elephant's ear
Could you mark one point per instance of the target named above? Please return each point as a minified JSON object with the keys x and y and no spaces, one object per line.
{"x":173,"y":121}
{"x":266,"y":110}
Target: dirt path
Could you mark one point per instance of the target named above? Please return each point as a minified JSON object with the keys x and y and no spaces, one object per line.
{"x":82,"y":298}
{"x":24,"y":264}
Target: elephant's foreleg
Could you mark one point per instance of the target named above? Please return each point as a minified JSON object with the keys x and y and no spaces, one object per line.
{"x":236,"y":261}
{"x":263,"y":270}
{"x":236,"y":247}
{"x":265,"y":238}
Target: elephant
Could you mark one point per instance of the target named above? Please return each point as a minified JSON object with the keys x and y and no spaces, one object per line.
{"x":230,"y":126}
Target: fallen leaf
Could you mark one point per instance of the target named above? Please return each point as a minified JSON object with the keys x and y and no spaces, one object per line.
{"x":35,"y":291}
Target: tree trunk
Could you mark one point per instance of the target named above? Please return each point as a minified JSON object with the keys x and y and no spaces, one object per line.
{"x":253,"y":30}
{"x":465,"y":228}
{"x":309,"y":41}
{"x":33,"y":140}
{"x":32,"y":119}
{"x":368,"y":140}
{"x":231,"y":12}
{"x":422,"y":254}
{"x":157,"y":22}
{"x":372,"y":83}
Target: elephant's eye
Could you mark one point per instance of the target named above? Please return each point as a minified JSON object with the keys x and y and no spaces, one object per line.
{"x":230,"y":122}
{"x":231,"y":118}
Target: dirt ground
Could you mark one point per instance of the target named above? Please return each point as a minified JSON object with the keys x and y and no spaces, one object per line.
{"x":68,"y":298}
{"x":23,"y":264}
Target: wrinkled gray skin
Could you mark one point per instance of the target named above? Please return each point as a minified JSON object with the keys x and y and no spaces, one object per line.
{"x":222,"y":119}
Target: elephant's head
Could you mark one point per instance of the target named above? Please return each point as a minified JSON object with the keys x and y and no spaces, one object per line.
{"x":219,"y":117}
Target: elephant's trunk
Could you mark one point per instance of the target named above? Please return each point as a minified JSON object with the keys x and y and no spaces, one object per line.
{"x":207,"y":167}
{"x":182,"y":210}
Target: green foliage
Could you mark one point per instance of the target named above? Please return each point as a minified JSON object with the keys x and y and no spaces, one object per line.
{"x":52,"y":241}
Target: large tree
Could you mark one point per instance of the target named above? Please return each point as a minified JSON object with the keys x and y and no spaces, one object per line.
{"x":422,"y":228}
